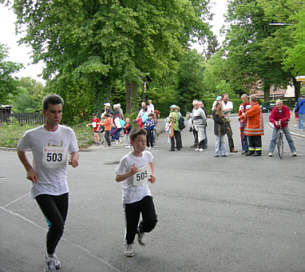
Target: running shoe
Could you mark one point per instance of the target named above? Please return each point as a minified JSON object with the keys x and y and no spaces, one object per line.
{"x":270,"y":154}
{"x":52,"y":263}
{"x":294,"y":154}
{"x":197,"y":150}
{"x":201,"y":149}
{"x":129,"y":251}
{"x":140,"y":238}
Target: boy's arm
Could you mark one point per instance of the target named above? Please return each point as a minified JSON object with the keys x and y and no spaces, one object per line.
{"x":131,"y":172}
{"x":152,"y":177}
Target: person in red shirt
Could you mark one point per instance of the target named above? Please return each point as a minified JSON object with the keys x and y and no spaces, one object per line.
{"x":243,"y":108}
{"x":279,"y":117}
{"x":95,"y":123}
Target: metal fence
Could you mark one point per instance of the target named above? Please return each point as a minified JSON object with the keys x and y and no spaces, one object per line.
{"x":33,"y":118}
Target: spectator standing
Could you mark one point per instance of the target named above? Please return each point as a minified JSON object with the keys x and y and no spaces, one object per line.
{"x":127,"y":130}
{"x":150,"y":107}
{"x":95,"y":123}
{"x":175,"y":131}
{"x":301,"y":111}
{"x":149,"y":127}
{"x":205,"y":141}
{"x":117,"y":123}
{"x":254,"y":127}
{"x":244,"y":106}
{"x":107,"y":123}
{"x":227,"y":107}
{"x":199,"y":123}
{"x":219,"y":130}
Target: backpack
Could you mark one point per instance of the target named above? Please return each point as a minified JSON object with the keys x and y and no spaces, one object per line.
{"x":181,"y":123}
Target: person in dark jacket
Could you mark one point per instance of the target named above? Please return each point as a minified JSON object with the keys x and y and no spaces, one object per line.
{"x":219,"y":130}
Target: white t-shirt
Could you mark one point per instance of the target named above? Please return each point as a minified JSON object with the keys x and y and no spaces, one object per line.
{"x":227,"y":108}
{"x":135,"y":188}
{"x":51,"y":151}
{"x":150,"y":108}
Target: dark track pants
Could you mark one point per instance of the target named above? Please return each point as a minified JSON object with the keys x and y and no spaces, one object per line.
{"x":55,"y":209}
{"x":132,"y":213}
{"x":255,"y":144}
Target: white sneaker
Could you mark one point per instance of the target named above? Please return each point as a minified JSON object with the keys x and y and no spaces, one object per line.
{"x":197,"y":150}
{"x":140,"y":238}
{"x":270,"y":154}
{"x":294,"y":154}
{"x":52,"y":263}
{"x":116,"y":142}
{"x":129,"y":251}
{"x":127,"y":146}
{"x":201,"y":149}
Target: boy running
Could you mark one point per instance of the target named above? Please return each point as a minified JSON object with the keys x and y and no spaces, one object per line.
{"x":134,"y":172}
{"x":51,"y":145}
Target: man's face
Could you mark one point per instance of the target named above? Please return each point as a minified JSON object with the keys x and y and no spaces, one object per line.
{"x":196,"y":106}
{"x":226,"y":98}
{"x":244,"y":99}
{"x":53,"y":114}
{"x":279,"y":105}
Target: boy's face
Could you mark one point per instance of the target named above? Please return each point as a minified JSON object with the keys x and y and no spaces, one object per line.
{"x":127,"y":120}
{"x":139,"y":143}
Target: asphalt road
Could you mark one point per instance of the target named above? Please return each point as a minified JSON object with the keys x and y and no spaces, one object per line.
{"x":215,"y":214}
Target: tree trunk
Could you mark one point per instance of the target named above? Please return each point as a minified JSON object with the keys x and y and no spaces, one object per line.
{"x":266,"y":87}
{"x":131,"y":96}
{"x":297,"y":88}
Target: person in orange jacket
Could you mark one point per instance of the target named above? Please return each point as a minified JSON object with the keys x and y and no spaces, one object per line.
{"x":107,"y":123}
{"x":254,"y":127}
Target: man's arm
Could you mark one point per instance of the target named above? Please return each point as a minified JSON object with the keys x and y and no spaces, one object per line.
{"x":30,"y":172}
{"x":74,"y":159}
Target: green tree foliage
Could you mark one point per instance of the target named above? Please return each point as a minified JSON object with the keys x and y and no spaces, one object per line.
{"x":246,"y":41}
{"x":28,"y":96}
{"x":7,"y":80}
{"x":88,"y":45}
{"x":190,"y":79}
{"x":284,"y":44}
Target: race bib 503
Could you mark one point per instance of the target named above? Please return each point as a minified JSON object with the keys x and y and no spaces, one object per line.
{"x":54,"y":157}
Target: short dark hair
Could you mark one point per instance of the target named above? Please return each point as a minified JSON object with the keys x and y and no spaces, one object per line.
{"x":136,"y":132}
{"x":52,"y":99}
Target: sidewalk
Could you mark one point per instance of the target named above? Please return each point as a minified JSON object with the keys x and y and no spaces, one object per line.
{"x":295,"y":131}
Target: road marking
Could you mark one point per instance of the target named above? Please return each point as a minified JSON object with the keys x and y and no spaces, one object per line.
{"x":85,"y":250}
{"x":16,"y":200}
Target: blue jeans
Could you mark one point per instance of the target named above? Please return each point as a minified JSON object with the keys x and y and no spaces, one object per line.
{"x":288,"y":138}
{"x":301,"y":121}
{"x":220,"y":145}
{"x":116,"y":133}
{"x":244,"y":138}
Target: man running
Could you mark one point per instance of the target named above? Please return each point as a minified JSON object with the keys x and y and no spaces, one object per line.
{"x":53,"y":146}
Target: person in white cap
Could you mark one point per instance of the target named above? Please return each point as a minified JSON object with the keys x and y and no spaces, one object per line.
{"x":107,"y":109}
